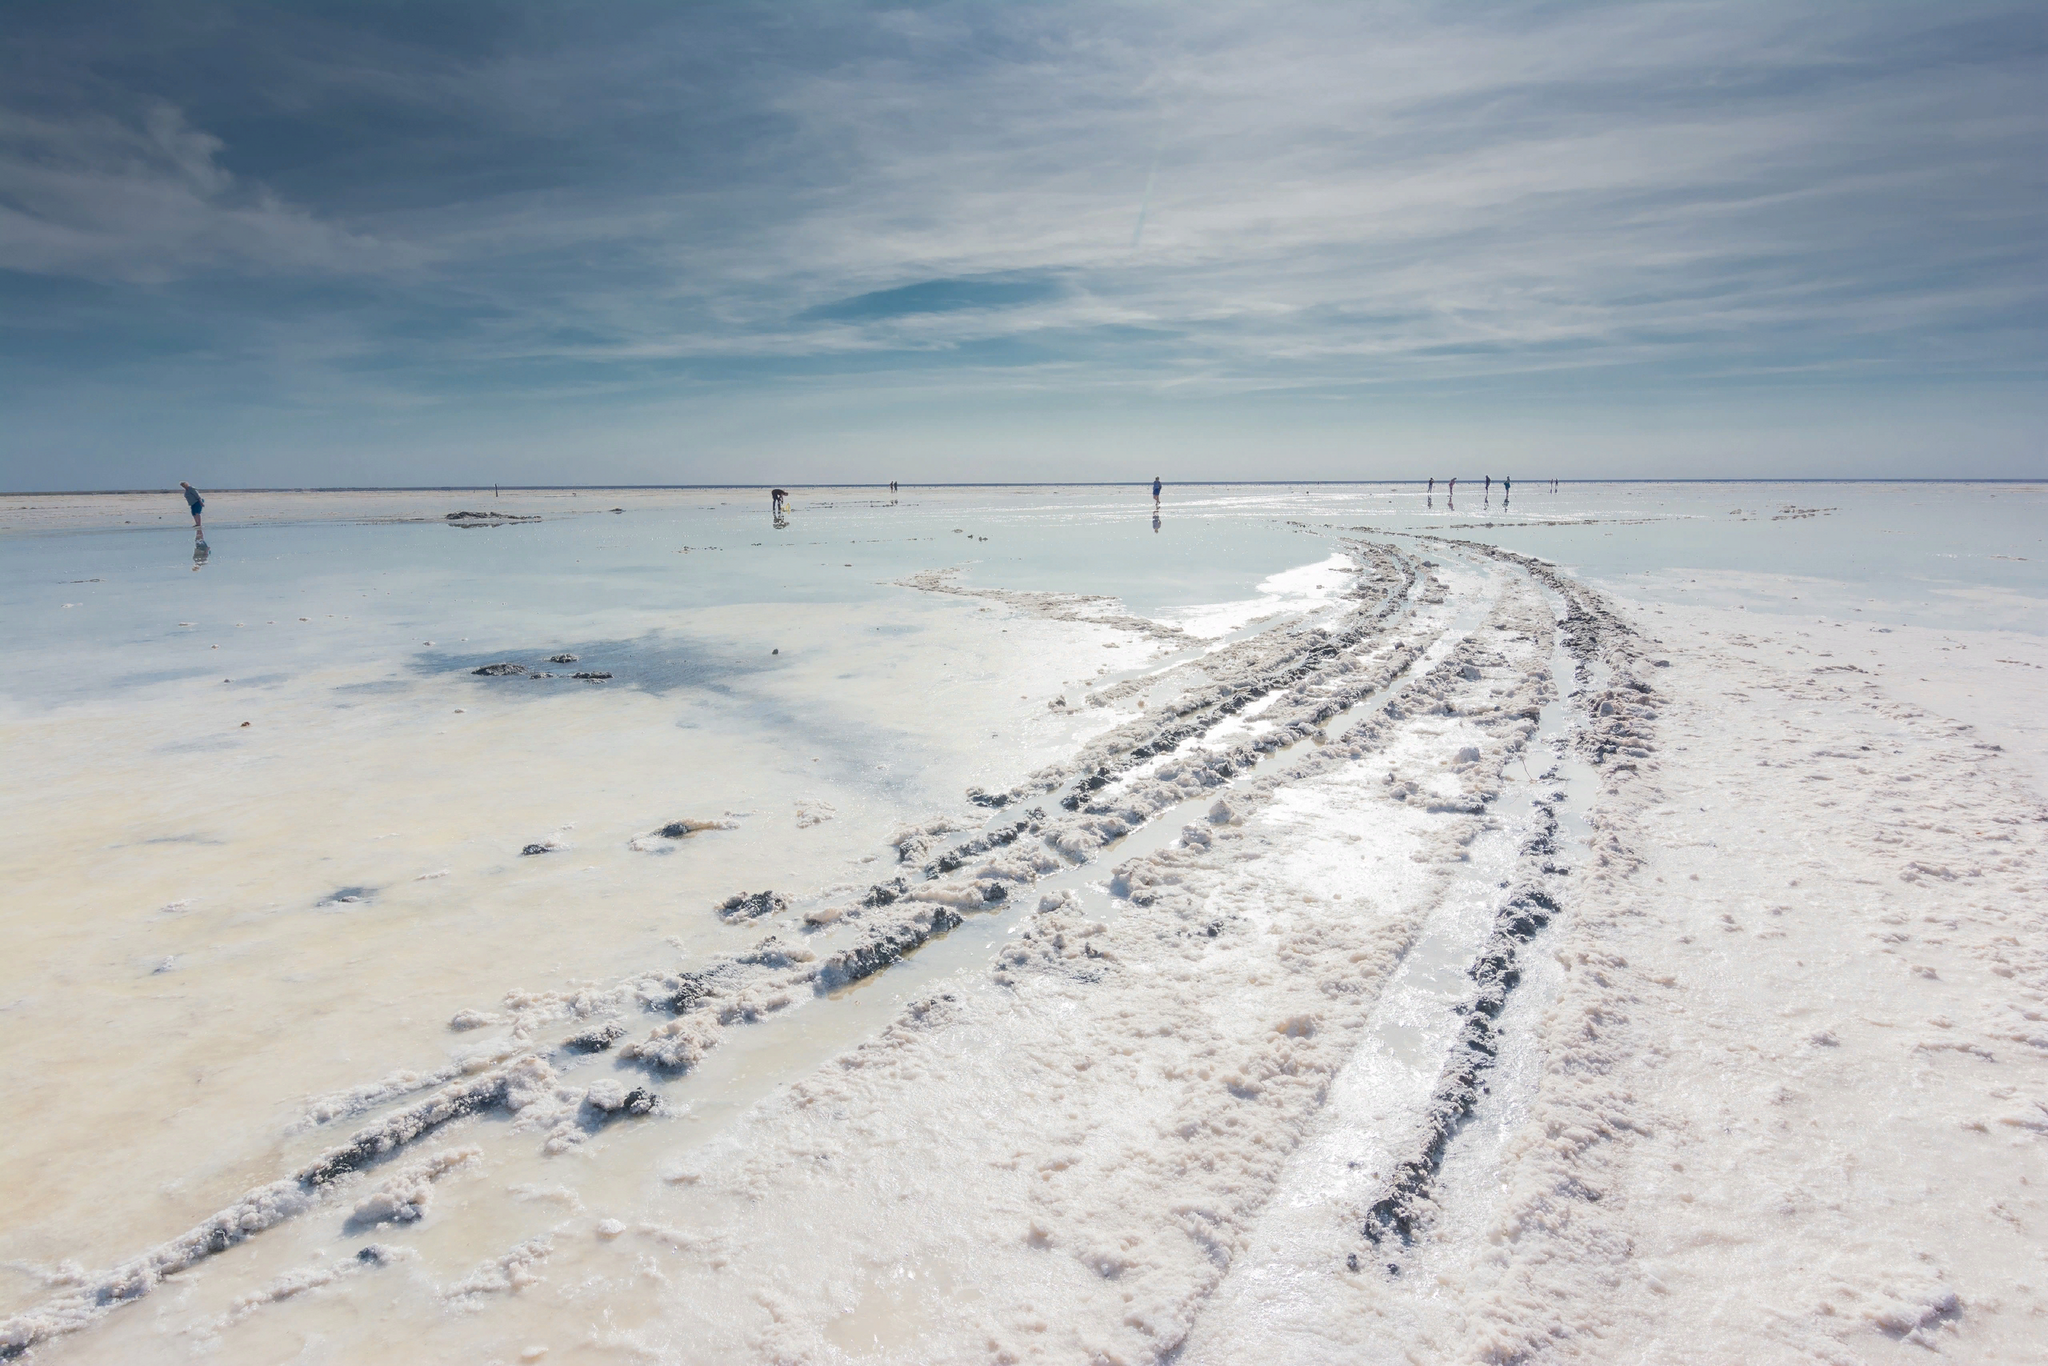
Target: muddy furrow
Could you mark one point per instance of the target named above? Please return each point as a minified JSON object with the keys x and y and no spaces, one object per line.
{"x":1609,"y":721}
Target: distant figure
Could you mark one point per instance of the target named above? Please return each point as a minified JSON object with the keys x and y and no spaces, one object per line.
{"x":1155,"y":492}
{"x":1488,"y":486}
{"x":197,"y":504}
{"x":776,"y":499}
{"x":1432,"y":483}
{"x":892,"y":486}
{"x":1507,"y":489}
{"x":1454,"y":488}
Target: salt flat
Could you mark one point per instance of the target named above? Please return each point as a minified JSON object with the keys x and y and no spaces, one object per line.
{"x":1326,"y":925}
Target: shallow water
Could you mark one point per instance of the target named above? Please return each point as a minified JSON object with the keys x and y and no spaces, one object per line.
{"x":213,"y":921}
{"x":100,"y":609}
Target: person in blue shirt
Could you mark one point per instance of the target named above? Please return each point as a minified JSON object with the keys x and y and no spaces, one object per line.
{"x":1156,"y":486}
{"x":196,"y":503}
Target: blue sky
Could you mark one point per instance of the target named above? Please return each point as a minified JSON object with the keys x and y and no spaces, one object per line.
{"x":382,"y":243}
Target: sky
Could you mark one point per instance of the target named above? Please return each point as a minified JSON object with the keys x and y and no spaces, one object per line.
{"x":357,"y":244}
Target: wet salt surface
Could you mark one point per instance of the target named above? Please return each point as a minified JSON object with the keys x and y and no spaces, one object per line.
{"x":161,"y":1099}
{"x":382,"y":590}
{"x":1916,"y":553}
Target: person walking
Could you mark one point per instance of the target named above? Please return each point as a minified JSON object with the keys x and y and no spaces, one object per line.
{"x":1432,"y":483}
{"x":1156,"y":486}
{"x":197,"y":504}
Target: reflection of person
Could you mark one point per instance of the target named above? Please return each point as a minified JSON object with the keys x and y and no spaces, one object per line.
{"x":196,"y":503}
{"x":200,"y":550}
{"x":1155,"y":490}
{"x":1155,"y":521}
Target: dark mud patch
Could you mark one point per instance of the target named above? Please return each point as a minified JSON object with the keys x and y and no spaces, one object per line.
{"x":743,"y":906}
{"x":654,"y":664}
{"x":883,"y":946}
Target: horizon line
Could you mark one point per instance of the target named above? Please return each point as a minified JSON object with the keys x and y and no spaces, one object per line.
{"x":998,"y":484}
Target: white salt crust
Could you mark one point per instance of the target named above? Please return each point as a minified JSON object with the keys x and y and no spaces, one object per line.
{"x":1745,"y":1092}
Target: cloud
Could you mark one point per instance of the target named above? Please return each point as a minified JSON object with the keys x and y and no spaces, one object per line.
{"x":460,"y":209}
{"x":1350,"y":196}
{"x":148,"y":202}
{"x":939,"y":296}
{"x":1641,"y":181}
